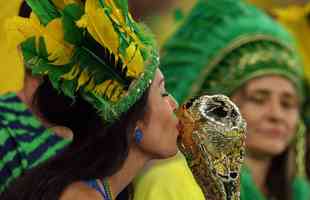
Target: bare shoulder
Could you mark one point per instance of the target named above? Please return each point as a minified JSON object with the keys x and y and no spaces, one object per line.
{"x":80,"y":191}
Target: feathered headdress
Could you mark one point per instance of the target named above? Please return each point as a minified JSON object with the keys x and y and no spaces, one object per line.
{"x":95,"y":49}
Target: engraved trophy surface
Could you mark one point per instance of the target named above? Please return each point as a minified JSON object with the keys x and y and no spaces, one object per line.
{"x":212,"y":140}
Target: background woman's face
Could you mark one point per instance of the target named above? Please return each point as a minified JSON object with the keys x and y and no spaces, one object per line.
{"x":160,"y":129}
{"x":270,"y":106}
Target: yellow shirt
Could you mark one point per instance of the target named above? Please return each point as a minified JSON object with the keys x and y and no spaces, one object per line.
{"x":169,"y":179}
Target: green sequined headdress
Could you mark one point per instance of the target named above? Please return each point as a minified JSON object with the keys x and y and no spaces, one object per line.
{"x":94,"y":49}
{"x":221,"y":45}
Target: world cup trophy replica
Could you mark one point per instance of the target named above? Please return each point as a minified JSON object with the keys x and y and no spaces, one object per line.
{"x":212,"y":139}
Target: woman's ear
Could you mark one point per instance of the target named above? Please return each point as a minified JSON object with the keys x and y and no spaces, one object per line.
{"x":139,"y":131}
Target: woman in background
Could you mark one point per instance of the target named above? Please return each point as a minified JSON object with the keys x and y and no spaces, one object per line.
{"x":232,"y":48}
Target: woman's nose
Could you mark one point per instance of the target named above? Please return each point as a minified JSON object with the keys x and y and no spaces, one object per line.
{"x":173,"y":103}
{"x":275,"y":111}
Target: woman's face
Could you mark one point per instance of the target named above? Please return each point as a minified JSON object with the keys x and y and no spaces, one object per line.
{"x":270,"y":106}
{"x":160,"y":127}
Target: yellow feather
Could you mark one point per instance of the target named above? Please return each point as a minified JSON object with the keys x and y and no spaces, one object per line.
{"x":90,"y":86}
{"x":110,"y":89}
{"x":83,"y":22}
{"x":133,"y":61}
{"x":72,"y":74}
{"x":84,"y":77}
{"x":116,"y":14}
{"x":58,"y":49}
{"x":119,"y":92}
{"x":61,"y":4}
{"x":100,"y":88}
{"x":19,"y":29}
{"x":118,"y":17}
{"x":99,"y":26}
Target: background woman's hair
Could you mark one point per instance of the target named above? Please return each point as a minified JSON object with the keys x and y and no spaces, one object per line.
{"x":278,"y":181}
{"x":308,"y":152}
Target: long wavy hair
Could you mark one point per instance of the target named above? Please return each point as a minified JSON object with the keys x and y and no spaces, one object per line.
{"x":97,"y":150}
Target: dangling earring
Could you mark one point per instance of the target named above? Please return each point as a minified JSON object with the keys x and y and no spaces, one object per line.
{"x":138,"y":135}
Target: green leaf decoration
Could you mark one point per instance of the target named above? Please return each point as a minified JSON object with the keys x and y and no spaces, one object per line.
{"x":146,"y":39}
{"x":123,"y":44}
{"x":29,"y":48}
{"x":68,"y":88}
{"x":123,"y":5}
{"x":56,"y":72}
{"x":37,"y":60}
{"x":42,"y":48}
{"x":101,"y":3}
{"x":32,"y":57}
{"x":70,"y":15}
{"x":43,"y":68}
{"x":44,"y":9}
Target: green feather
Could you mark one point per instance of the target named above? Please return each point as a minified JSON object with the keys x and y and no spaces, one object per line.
{"x":34,"y":58}
{"x":42,"y":48}
{"x":56,"y":72}
{"x":70,"y":15}
{"x":68,"y":88}
{"x":102,"y":65}
{"x":123,"y":5}
{"x":44,"y":9}
{"x":101,"y":3}
{"x":99,"y":69}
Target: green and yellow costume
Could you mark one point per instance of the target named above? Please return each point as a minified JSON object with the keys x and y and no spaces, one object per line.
{"x":219,"y":47}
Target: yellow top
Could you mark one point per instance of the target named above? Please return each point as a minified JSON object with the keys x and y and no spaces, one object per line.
{"x":169,"y":179}
{"x":11,"y":68}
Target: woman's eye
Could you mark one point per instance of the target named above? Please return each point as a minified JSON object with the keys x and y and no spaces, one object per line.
{"x":289,"y":104}
{"x":256,"y":99}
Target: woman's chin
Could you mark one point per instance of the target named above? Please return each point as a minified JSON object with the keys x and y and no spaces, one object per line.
{"x":268,"y":150}
{"x":268,"y":146}
{"x":167,"y":153}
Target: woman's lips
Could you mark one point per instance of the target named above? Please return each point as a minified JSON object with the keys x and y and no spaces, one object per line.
{"x":273,"y":132}
{"x":179,"y":127}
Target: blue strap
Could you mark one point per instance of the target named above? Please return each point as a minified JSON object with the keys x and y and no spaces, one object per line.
{"x":94,"y":184}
